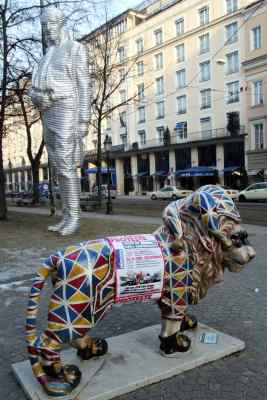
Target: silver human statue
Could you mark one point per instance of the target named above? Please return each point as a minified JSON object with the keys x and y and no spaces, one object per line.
{"x":61,"y":90}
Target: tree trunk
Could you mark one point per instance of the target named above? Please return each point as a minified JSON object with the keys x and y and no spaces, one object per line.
{"x":98,"y":162}
{"x":35,"y":182}
{"x":3,"y":207}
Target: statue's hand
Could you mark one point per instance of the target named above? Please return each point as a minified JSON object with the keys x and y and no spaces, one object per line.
{"x":42,"y":101}
{"x":83,"y":129}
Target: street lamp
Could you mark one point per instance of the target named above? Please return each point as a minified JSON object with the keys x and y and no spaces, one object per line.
{"x":107,"y":147}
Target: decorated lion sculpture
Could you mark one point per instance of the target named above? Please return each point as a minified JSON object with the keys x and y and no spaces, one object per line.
{"x":201,"y":235}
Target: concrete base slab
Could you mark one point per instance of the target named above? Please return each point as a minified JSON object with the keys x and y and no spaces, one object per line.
{"x":133,"y":361}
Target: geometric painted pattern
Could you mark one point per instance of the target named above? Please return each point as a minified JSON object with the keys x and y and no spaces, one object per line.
{"x":204,"y":208}
{"x":83,"y":277}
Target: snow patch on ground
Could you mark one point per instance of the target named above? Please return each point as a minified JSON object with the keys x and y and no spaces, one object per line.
{"x":15,"y":263}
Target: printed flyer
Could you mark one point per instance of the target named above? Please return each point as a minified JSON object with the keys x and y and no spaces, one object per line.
{"x":139,"y":266}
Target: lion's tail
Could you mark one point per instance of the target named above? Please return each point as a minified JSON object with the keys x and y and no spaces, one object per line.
{"x":31,"y":322}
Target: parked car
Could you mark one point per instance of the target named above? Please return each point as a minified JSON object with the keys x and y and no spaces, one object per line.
{"x":104,"y":191}
{"x":24,"y":199}
{"x":254,"y":192}
{"x":233,"y":193}
{"x":170,"y":192}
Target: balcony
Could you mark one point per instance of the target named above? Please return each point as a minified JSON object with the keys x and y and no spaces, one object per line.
{"x":184,"y":137}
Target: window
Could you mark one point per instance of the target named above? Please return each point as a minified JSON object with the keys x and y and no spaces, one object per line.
{"x":122,"y":75}
{"x":142,"y":137}
{"x":206,"y":130}
{"x":122,"y":96}
{"x":141,"y":91}
{"x":121,"y":54}
{"x":139,"y":45}
{"x":204,"y":16}
{"x":160,"y":131}
{"x":180,"y":53}
{"x":159,"y":85}
{"x":232,"y":62}
{"x":141,"y":115}
{"x":179,"y":24}
{"x":181,"y":104}
{"x":256,"y":38}
{"x":160,"y":109}
{"x":233,"y":91}
{"x":205,"y":98}
{"x":231,"y":6}
{"x":124,"y":140}
{"x":159,"y":61}
{"x":258,"y":129}
{"x":231,"y":31}
{"x":258,"y":93}
{"x":180,"y":79}
{"x":122,"y":117}
{"x":204,"y":71}
{"x":140,"y":68}
{"x":158,"y":35}
{"x":204,"y":43}
{"x":181,"y":130}
{"x":108,"y":123}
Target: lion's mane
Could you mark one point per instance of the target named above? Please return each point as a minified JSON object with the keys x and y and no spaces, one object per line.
{"x":208,"y":268}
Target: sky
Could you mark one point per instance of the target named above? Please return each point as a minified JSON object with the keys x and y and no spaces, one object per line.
{"x":124,"y":4}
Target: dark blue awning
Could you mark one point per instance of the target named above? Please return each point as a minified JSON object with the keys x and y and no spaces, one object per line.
{"x":160,"y":173}
{"x":230,"y":169}
{"x":142,"y":173}
{"x":103,"y":170}
{"x":196,"y":171}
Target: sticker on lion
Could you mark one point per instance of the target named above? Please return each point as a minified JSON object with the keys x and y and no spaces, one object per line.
{"x":201,"y":235}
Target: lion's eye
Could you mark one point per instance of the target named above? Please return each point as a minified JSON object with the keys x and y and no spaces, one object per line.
{"x":236,"y":240}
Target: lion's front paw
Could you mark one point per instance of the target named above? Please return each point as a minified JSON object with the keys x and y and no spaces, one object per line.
{"x":97,"y":347}
{"x":189,"y":322}
{"x":171,"y":345}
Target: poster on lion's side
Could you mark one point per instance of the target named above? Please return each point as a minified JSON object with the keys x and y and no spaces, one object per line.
{"x":139,"y":266}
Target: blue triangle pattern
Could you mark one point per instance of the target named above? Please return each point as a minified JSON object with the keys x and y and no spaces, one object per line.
{"x":70,"y":291}
{"x":61,"y":312}
{"x":59,"y":292}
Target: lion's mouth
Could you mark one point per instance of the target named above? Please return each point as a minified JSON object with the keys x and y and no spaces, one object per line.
{"x":235,"y":265}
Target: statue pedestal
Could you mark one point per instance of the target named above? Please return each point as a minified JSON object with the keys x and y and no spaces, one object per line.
{"x":133,"y":361}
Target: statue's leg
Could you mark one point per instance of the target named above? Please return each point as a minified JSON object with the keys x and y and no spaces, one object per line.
{"x":88,"y":347}
{"x":59,"y":380}
{"x":71,"y":198}
{"x":57,"y":227}
{"x":171,"y":340}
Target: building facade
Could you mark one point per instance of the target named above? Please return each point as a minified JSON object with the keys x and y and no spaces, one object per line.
{"x":189,"y":125}
{"x":255,"y":71}
{"x":193,"y":121}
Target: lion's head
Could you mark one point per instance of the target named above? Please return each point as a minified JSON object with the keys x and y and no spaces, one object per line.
{"x":209,"y":222}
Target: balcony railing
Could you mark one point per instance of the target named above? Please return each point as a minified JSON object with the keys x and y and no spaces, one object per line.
{"x":176,"y":138}
{"x":182,"y":137}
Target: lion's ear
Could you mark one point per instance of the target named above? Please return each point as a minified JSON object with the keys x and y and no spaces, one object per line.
{"x":172,"y":220}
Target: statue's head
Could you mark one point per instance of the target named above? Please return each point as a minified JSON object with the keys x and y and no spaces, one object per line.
{"x":52,"y":21}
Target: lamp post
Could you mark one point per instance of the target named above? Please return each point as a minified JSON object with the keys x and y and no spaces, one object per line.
{"x":107,"y":147}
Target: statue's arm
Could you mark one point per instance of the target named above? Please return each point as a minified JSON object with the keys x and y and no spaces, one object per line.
{"x":84,"y":89}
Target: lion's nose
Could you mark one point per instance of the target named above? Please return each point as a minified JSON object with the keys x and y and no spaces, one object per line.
{"x":251,"y":253}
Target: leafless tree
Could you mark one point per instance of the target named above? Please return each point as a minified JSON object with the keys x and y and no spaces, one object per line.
{"x":110,"y":69}
{"x":20,"y":42}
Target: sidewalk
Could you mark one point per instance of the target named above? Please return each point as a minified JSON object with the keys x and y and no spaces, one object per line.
{"x":123,"y":217}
